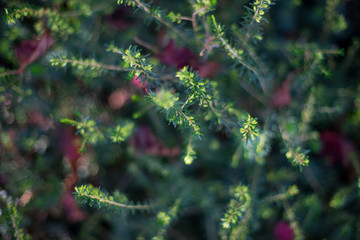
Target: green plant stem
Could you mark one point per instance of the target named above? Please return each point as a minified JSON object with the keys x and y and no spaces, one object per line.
{"x":15,"y":227}
{"x":115,"y":203}
{"x":96,"y":65}
{"x":189,"y":120}
{"x":294,"y":224}
{"x":169,"y":25}
{"x":146,"y":45}
{"x":240,"y":60}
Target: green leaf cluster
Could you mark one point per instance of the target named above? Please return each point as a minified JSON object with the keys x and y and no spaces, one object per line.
{"x":237,"y":207}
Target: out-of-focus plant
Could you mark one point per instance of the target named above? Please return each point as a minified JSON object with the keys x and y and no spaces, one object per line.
{"x":216,"y":118}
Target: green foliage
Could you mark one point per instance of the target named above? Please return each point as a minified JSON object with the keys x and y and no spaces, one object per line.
{"x":174,"y":17}
{"x":297,"y":157}
{"x":85,"y":67}
{"x":259,"y":8}
{"x":59,"y":23}
{"x":249,"y":128}
{"x":87,"y":129}
{"x":237,"y":207}
{"x":121,"y":133}
{"x":334,"y":22}
{"x":190,"y":153}
{"x":220,"y":34}
{"x":236,"y":103}
{"x":165,"y":99}
{"x":91,"y":134}
{"x":139,"y":65}
{"x":164,"y":219}
{"x":10,"y":217}
{"x":197,"y":87}
{"x":174,"y":111}
{"x":118,"y":202}
{"x":202,"y":7}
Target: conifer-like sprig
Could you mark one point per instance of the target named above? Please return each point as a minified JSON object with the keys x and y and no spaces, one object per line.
{"x":237,"y":207}
{"x":59,"y":23}
{"x":174,"y":110}
{"x":90,"y":133}
{"x":88,"y":130}
{"x":259,"y":7}
{"x":89,"y":66}
{"x":205,"y":93}
{"x":237,"y":54}
{"x":249,"y":129}
{"x":197,"y":87}
{"x":154,"y":12}
{"x":190,"y":152}
{"x":334,"y":21}
{"x":94,"y":197}
{"x":297,"y":157}
{"x":139,"y":64}
{"x":121,"y":132}
{"x":253,"y":19}
{"x":11,"y":217}
{"x":164,"y":219}
{"x":295,"y":154}
{"x":290,"y":192}
{"x":204,"y":6}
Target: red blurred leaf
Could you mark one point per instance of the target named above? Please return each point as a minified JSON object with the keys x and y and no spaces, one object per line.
{"x":209,"y":69}
{"x":136,"y":81}
{"x":144,"y":141}
{"x":118,"y":98}
{"x":281,"y":97}
{"x":339,"y":150}
{"x":336,"y":147}
{"x":71,"y":209}
{"x":29,"y":51}
{"x":38,"y":119}
{"x":283,"y":231}
{"x":69,"y":146}
{"x":121,"y":18}
{"x":178,"y":58}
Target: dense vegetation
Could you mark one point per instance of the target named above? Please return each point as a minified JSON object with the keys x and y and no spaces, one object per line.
{"x":196,"y":119}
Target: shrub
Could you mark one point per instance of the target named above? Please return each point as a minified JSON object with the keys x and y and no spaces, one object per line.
{"x":216,"y":120}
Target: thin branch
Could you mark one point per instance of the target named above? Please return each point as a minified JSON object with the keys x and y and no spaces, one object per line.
{"x":146,"y":45}
{"x":252,"y":92}
{"x":194,"y":25}
{"x":240,"y":60}
{"x":186,"y":18}
{"x":189,"y":121}
{"x":169,"y":25}
{"x":187,"y":100}
{"x":12,"y":72}
{"x":97,"y":65}
{"x":115,"y":203}
{"x":13,"y":222}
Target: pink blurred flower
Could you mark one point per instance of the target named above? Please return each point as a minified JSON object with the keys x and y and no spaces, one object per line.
{"x":281,"y":97}
{"x":69,"y":145}
{"x":29,"y":51}
{"x":209,"y":69}
{"x":282,"y":231}
{"x":136,"y":81}
{"x":336,"y":147}
{"x":71,"y":209}
{"x":38,"y":119}
{"x":179,"y":57}
{"x":118,"y":98}
{"x":144,"y":141}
